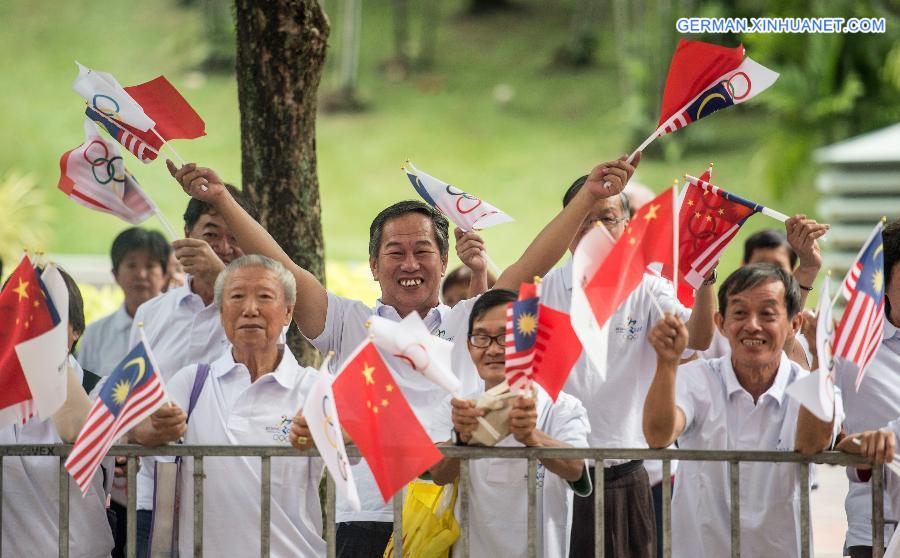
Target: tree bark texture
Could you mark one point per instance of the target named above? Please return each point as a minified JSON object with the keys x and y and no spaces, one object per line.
{"x":281,"y":48}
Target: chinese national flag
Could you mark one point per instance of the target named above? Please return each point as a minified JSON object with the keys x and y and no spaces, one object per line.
{"x":174,"y":117}
{"x":556,"y":350}
{"x":647,"y":240}
{"x":377,"y":417}
{"x":24,"y":315}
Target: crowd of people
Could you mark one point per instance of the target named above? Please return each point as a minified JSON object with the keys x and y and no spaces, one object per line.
{"x":711,"y":377}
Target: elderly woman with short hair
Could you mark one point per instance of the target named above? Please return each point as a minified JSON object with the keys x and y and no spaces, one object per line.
{"x":248,"y":396}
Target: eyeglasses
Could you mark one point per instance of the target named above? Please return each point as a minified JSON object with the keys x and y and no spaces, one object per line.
{"x":608,"y":222}
{"x":484,"y":341}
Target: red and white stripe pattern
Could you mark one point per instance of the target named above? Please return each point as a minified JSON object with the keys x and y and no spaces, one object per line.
{"x":519,"y":364}
{"x":677,"y":121}
{"x":138,"y":147}
{"x":861,"y":329}
{"x":101,"y":429}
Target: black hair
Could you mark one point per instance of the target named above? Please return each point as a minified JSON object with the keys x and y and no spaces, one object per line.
{"x":579,"y":182}
{"x":135,"y":239}
{"x":76,"y":304}
{"x":890,"y":236}
{"x":768,"y":239}
{"x":438,"y":221}
{"x":749,"y":276}
{"x":461,"y":275}
{"x":490,"y":299}
{"x":196,"y":208}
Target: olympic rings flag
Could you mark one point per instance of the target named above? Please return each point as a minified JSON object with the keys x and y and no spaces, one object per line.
{"x":465,"y":210}
{"x":322,"y":418}
{"x":94,"y":175}
{"x":704,"y":78}
{"x":101,"y":90}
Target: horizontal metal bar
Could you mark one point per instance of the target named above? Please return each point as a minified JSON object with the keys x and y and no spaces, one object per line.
{"x":468,"y":452}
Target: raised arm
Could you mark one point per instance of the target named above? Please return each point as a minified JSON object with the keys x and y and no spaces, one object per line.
{"x":700,"y":325}
{"x":552,"y":242}
{"x":802,"y":234}
{"x":813,"y":435}
{"x":664,"y":421}
{"x":205,"y":185}
{"x":71,"y":416}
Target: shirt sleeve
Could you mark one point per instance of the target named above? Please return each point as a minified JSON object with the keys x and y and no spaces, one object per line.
{"x":332,"y":333}
{"x":691,"y":391}
{"x":135,"y":335}
{"x":570,"y":423}
{"x":442,"y":422}
{"x":179,"y":387}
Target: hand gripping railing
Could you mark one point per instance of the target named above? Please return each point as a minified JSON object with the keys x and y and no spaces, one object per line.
{"x":198,"y":452}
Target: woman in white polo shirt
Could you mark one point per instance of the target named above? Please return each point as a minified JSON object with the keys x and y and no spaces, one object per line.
{"x":498,"y":489}
{"x":248,"y":396}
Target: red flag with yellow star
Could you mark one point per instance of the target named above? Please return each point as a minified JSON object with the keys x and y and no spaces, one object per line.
{"x":380,"y":422}
{"x":647,"y":240}
{"x":709,"y":219}
{"x":24,"y":315}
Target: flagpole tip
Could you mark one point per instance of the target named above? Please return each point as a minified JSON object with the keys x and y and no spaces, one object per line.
{"x":537,"y":280}
{"x":884,"y":219}
{"x":141,"y":325}
{"x":828,"y":273}
{"x":368,"y":323}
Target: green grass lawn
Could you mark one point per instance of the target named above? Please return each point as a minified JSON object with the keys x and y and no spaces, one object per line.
{"x":520,"y":156}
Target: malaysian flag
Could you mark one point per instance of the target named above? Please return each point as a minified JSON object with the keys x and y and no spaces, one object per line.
{"x":862,"y":325}
{"x":131,"y":393}
{"x":521,"y":334}
{"x":143,"y":145}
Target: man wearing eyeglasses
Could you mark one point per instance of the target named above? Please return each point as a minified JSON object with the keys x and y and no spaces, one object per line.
{"x":614,"y":405}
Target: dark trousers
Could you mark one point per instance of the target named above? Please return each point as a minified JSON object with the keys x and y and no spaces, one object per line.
{"x":362,"y":539}
{"x":117,"y":516}
{"x":656,"y":490}
{"x":144,"y":524}
{"x":628,"y":516}
{"x":860,"y":551}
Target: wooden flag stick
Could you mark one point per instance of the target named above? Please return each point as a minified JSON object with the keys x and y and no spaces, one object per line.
{"x":166,"y":143}
{"x":675,"y":230}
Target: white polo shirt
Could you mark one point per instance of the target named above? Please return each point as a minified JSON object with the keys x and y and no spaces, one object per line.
{"x":615,"y":406}
{"x":345,"y":329}
{"x":875,"y":404}
{"x":498,"y":488}
{"x":231,"y":410}
{"x":104,"y":343}
{"x":720,"y":415}
{"x":31,"y":500}
{"x":181,"y":330}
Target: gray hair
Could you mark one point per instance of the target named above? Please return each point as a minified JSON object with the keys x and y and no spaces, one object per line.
{"x":285,"y":277}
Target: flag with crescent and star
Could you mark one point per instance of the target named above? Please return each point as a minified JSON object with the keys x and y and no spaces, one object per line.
{"x":378,"y":419}
{"x":647,"y":240}
{"x":704,"y":78}
{"x":26,"y":313}
{"x":862,"y":325}
{"x":132,"y":392}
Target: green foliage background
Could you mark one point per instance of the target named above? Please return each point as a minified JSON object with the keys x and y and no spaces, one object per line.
{"x":520,"y":154}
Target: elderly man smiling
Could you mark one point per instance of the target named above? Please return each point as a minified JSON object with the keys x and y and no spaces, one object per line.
{"x":247,"y":396}
{"x":736,"y":402}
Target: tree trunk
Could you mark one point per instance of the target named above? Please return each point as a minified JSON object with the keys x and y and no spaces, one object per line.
{"x":280,"y":55}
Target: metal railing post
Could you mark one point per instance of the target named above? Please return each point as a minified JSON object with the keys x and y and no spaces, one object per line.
{"x":877,"y":512}
{"x":666,"y":509}
{"x":734,"y":473}
{"x":804,"y":509}
{"x":464,"y":506}
{"x":330,"y":517}
{"x":265,"y":505}
{"x":532,"y":508}
{"x":198,"y":506}
{"x":398,"y":524}
{"x":63,"y":509}
{"x":599,"y":510}
{"x":131,"y":510}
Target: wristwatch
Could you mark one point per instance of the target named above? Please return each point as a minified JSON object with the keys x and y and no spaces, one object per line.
{"x":712,"y":279}
{"x":454,"y":436}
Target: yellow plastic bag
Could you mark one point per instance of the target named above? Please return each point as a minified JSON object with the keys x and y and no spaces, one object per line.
{"x":429,"y":526}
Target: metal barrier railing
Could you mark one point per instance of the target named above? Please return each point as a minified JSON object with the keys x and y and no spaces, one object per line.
{"x":198,"y":452}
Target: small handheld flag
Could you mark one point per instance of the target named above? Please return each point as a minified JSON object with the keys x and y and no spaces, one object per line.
{"x":102,"y":92}
{"x":521,"y":334}
{"x":704,"y":78}
{"x":862,"y":325}
{"x":592,"y":249}
{"x":132,"y":392}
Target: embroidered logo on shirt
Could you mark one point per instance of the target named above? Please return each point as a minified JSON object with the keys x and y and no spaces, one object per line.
{"x":629,"y":328}
{"x":280,"y":431}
